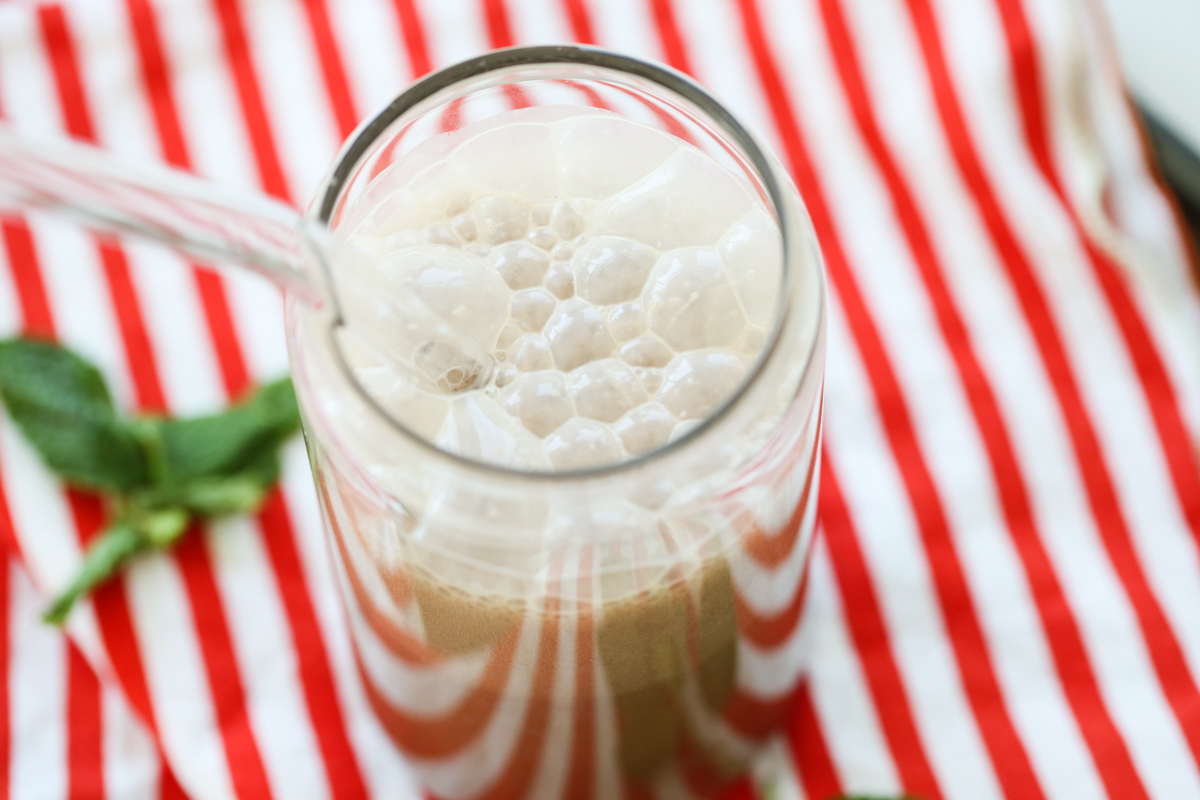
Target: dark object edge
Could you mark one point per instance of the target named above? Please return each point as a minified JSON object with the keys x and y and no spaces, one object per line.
{"x":1179,"y":164}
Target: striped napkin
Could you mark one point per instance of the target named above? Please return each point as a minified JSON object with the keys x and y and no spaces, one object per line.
{"x":1005,"y":592}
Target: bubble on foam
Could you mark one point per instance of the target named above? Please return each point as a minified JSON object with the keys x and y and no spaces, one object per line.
{"x":543,"y":238}
{"x":688,"y":201}
{"x":560,"y":280}
{"x":512,"y":159}
{"x":604,"y":390}
{"x":563,"y":251}
{"x":582,"y":443}
{"x":532,"y":307}
{"x":626,"y":321}
{"x":611,"y":269}
{"x":690,"y":302}
{"x":627,"y":152}
{"x":464,"y":226}
{"x":651,"y":378}
{"x":577,"y":335}
{"x":476,"y":427}
{"x":753,"y":254}
{"x":509,"y":334}
{"x":460,"y":287}
{"x":694,"y":384}
{"x":646,"y":351}
{"x":565,"y":220}
{"x":531,"y":353}
{"x":539,"y":400}
{"x":500,"y":219}
{"x":521,"y":265}
{"x":505,"y":374}
{"x":644,"y":428}
{"x":441,"y":233}
{"x":446,"y":365}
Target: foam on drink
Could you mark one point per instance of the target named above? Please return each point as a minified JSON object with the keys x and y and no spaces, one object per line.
{"x":622,"y":280}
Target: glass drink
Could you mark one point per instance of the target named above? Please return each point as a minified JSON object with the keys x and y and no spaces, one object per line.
{"x":623,"y":629}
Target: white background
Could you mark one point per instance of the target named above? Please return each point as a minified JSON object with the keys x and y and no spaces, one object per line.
{"x":1159,"y":43}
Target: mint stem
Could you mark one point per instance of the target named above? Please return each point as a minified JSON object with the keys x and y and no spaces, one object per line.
{"x":104,"y":556}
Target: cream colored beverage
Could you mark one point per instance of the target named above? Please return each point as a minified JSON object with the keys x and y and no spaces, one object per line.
{"x":563,"y":642}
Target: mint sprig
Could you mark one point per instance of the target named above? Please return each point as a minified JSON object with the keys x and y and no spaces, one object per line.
{"x":158,"y":475}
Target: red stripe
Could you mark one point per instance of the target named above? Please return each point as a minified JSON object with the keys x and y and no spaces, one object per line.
{"x":168,"y":785}
{"x":237,"y":54}
{"x":966,"y":636}
{"x":337,"y":87}
{"x":109,"y":600}
{"x":234,"y":374}
{"x":84,"y":729}
{"x":229,"y":700}
{"x":1156,"y":385}
{"x":245,"y":762}
{"x":138,"y":353}
{"x":770,"y":631}
{"x":85,"y":762}
{"x":345,"y":779}
{"x":817,"y":773}
{"x":31,"y":293}
{"x":449,"y":732}
{"x":499,"y":30}
{"x":1165,"y":651}
{"x":500,"y":35}
{"x":316,"y":675}
{"x":85,"y":767}
{"x":65,"y":66}
{"x":871,"y":640}
{"x":1061,"y":630}
{"x":121,"y":643}
{"x":668,"y":34}
{"x":770,"y":549}
{"x":413,"y":32}
{"x":156,"y":83}
{"x":581,"y":23}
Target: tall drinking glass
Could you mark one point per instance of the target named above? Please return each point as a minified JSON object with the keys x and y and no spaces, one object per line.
{"x":622,"y":630}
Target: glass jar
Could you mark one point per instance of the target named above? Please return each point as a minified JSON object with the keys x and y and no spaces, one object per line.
{"x":602,"y":633}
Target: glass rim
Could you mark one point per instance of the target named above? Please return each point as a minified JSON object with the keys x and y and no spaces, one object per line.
{"x":359,"y":143}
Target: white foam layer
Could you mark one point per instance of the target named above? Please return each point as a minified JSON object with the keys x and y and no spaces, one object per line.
{"x":622,"y":280}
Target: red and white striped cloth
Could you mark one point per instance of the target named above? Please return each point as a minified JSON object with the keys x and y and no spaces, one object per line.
{"x":1005,"y":596}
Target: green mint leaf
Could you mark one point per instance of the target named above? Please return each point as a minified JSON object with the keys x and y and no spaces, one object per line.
{"x":163,"y":528}
{"x":62,"y":405}
{"x":104,"y":556}
{"x":214,"y":497}
{"x":211,"y":497}
{"x":227,"y":443}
